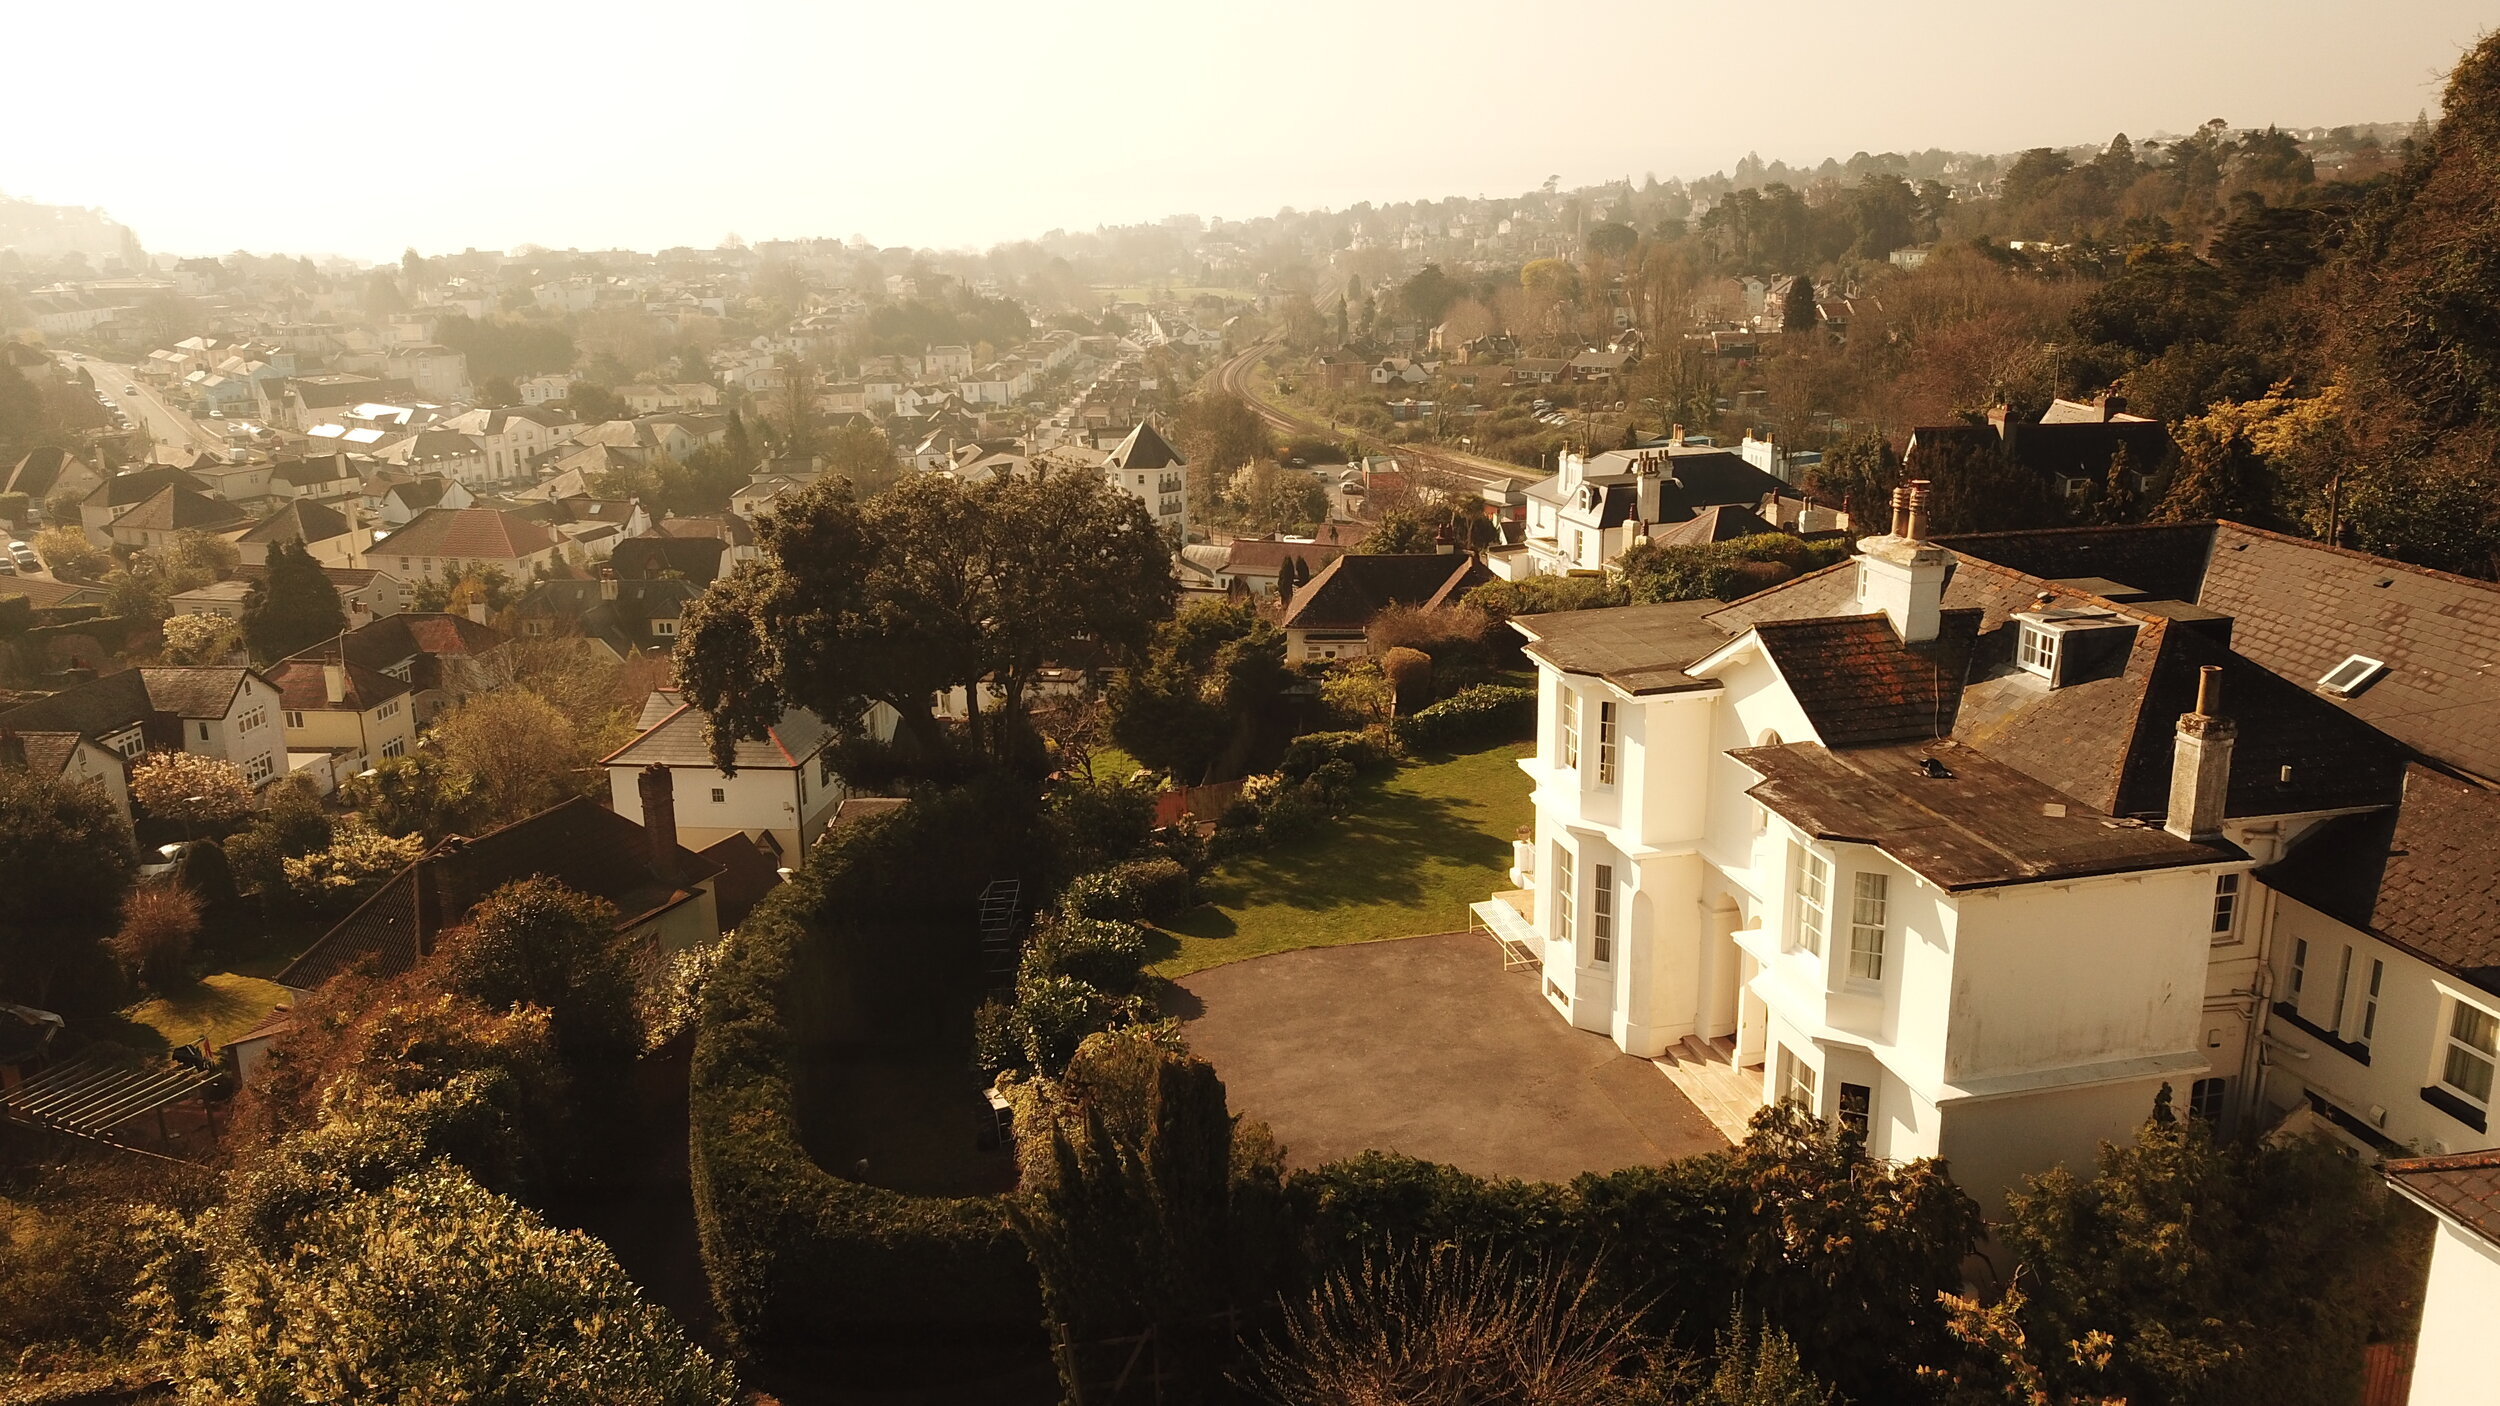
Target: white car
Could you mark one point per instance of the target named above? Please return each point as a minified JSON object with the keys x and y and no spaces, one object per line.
{"x":25,"y":557}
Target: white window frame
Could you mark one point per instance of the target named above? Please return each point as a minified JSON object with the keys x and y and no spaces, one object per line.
{"x":2460,"y":1054}
{"x":2036,"y":649}
{"x":1863,"y":1121}
{"x":2369,"y":1003}
{"x":1870,"y":913}
{"x":1809,"y":898}
{"x":1569,"y":734}
{"x":1605,"y":742}
{"x":1795,"y":1081}
{"x":1566,"y":895}
{"x":2300,"y":969}
{"x":295,"y":717}
{"x":2357,"y":672}
{"x":1602,"y":915}
{"x":2226,"y":919}
{"x":2343,"y":989}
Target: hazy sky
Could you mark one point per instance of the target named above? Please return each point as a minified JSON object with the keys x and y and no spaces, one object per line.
{"x":444,"y":124}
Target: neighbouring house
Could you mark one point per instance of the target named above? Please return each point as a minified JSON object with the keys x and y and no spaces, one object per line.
{"x":172,"y":509}
{"x":781,"y":796}
{"x":1971,"y":859}
{"x":653,"y":555}
{"x":1146,"y":467}
{"x":49,"y":471}
{"x":437,"y":452}
{"x":355,"y":715}
{"x":442,"y":658}
{"x":220,"y":711}
{"x":628,"y":617}
{"x":1326,"y":618}
{"x":395,"y":501}
{"x":2452,"y":1350}
{"x":365,"y":592}
{"x":328,"y":533}
{"x":666,"y":896}
{"x":1595,"y":507}
{"x":327,"y":477}
{"x":2073,"y":446}
{"x":70,"y":757}
{"x":1248,"y":566}
{"x":735,"y":533}
{"x":587,"y":528}
{"x":538,"y":390}
{"x":126,"y":490}
{"x":441,"y":543}
{"x":511,"y":439}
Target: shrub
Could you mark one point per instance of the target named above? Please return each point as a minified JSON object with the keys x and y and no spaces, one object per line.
{"x":1156,"y":890}
{"x":1104,"y":954}
{"x":191,"y":789}
{"x":1409,"y":672}
{"x":159,"y":924}
{"x":1369,"y":750}
{"x":1484,"y":714}
{"x":1096,"y":823}
{"x":355,"y":863}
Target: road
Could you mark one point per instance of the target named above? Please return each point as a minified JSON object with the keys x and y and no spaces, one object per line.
{"x":167,"y":426}
{"x":1234,"y":376}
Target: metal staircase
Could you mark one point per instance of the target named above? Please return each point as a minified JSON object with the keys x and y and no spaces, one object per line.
{"x":999,"y":927}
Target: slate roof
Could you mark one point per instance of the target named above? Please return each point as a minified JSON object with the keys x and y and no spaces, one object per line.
{"x":35,"y":474}
{"x":747,"y":873}
{"x":697,"y":559}
{"x":2463,"y":1187}
{"x":300,"y":521}
{"x":1145,"y":448}
{"x":157,"y":696}
{"x":313,"y":472}
{"x":579,"y":843}
{"x":419,"y":639}
{"x":1980,"y":825}
{"x":2425,"y":877}
{"x":624,"y":623}
{"x":303,"y":685}
{"x":1859,"y":684}
{"x":49,"y":753}
{"x":677,"y":737}
{"x":422,"y":492}
{"x":174,"y":508}
{"x":1349,"y":591}
{"x":1637,"y":648}
{"x":132,"y":486}
{"x":2300,"y":608}
{"x":1724,"y":522}
{"x":468,"y":534}
{"x":1263,"y":556}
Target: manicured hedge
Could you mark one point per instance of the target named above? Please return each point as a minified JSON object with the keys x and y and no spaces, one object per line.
{"x":1156,"y":890}
{"x":1364,"y":751}
{"x":1472,"y":717}
{"x":793,"y":1251}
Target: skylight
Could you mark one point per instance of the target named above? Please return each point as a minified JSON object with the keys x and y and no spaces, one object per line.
{"x":2353,"y":675}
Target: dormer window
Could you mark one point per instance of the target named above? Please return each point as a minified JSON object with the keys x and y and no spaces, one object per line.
{"x":2356,"y":673}
{"x":2036,"y":650}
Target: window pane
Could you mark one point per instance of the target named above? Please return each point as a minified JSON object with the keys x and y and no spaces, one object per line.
{"x":2472,"y":1027}
{"x":2468,"y":1073}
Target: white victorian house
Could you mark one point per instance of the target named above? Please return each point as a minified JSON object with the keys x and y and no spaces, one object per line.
{"x":1955,"y":854}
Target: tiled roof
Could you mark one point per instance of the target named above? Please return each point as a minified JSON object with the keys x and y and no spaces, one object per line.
{"x":422,"y":492}
{"x":138,"y":485}
{"x":678,"y":738}
{"x":115,"y":701}
{"x":1261,"y":556}
{"x":2463,"y":1187}
{"x":2426,"y":877}
{"x":35,"y":474}
{"x":695,"y":558}
{"x":1349,"y":591}
{"x":746,"y":875}
{"x":303,"y":686}
{"x":1969,"y":823}
{"x":1722,"y":523}
{"x":1858,"y":683}
{"x":174,"y":508}
{"x":1637,"y":648}
{"x":580,"y":844}
{"x":1145,"y":449}
{"x":466,"y":533}
{"x":302,"y":520}
{"x":49,"y":753}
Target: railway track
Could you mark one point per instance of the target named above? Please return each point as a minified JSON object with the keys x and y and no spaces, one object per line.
{"x":1234,"y":376}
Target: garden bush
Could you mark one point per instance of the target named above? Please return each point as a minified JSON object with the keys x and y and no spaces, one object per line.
{"x":1156,"y":890}
{"x":1484,"y":714}
{"x":1103,"y":953}
{"x":1370,"y":750}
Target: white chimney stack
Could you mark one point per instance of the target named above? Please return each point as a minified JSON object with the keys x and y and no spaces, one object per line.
{"x":1901,"y":575}
{"x":2200,"y":763}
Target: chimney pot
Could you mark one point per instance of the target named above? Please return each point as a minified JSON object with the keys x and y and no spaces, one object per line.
{"x":1914,"y":525}
{"x":2209,"y":690}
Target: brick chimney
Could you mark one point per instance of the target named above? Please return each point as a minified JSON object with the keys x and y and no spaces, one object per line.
{"x":659,"y":818}
{"x":2200,"y":763}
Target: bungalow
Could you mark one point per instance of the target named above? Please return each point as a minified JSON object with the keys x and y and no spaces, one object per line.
{"x":1327,"y":617}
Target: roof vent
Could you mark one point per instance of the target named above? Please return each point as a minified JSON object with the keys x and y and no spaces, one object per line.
{"x":1934,"y":770}
{"x":2357,"y":672}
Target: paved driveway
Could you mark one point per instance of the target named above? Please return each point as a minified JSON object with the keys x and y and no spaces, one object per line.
{"x":1426,"y":1046}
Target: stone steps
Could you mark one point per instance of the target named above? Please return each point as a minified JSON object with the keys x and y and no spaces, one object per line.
{"x":1706,"y":1075}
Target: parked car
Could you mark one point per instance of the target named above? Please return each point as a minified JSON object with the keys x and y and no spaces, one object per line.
{"x":25,"y":557}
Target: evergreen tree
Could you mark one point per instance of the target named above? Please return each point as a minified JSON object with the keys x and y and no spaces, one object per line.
{"x":293,"y":608}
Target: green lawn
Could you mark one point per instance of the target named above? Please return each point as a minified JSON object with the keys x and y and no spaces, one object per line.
{"x":1418,"y":847}
{"x":220,"y":1006}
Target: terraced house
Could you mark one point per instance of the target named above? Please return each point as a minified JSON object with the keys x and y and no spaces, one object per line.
{"x":1974,"y":846}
